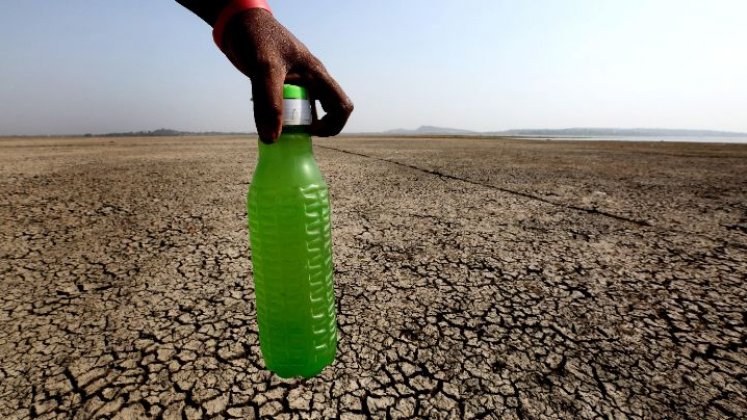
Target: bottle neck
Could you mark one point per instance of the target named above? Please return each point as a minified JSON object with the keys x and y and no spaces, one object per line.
{"x":294,"y":141}
{"x":295,"y":129}
{"x":287,"y":163}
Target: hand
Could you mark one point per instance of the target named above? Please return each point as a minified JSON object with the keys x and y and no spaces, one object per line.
{"x":264,"y":50}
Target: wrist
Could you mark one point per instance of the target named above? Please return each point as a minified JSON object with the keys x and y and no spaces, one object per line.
{"x":230,"y":10}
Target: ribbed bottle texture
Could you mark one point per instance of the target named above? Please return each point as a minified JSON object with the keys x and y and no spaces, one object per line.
{"x":290,"y":232}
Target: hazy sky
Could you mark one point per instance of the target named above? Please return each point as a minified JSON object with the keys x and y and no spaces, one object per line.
{"x":78,"y":66}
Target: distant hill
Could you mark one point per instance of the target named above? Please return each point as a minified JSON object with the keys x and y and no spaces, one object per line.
{"x":431,"y":130}
{"x":566,"y":132}
{"x":620,"y":132}
{"x":164,"y":132}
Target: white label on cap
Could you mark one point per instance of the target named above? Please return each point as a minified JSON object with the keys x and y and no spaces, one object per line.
{"x":296,"y":112}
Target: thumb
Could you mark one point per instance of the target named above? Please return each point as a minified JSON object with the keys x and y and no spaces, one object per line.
{"x":334,"y":101}
{"x":267,"y":92}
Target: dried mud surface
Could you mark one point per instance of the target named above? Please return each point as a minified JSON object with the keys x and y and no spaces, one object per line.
{"x":475,"y":278}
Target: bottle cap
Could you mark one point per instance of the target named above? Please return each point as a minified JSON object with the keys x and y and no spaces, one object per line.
{"x":294,"y":92}
{"x":296,"y":106}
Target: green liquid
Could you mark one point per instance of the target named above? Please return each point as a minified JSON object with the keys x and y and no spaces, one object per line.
{"x":290,"y":233}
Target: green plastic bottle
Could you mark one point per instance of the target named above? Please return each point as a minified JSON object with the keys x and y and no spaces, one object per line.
{"x":290,"y":235}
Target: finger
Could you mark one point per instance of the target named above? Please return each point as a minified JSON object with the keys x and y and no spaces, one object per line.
{"x":267,"y":91}
{"x":334,"y":101}
{"x":296,"y":78}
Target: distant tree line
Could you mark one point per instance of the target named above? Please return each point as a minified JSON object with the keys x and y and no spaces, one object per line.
{"x":164,"y":132}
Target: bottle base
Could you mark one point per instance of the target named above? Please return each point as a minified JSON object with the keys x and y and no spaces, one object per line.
{"x":287,"y":371}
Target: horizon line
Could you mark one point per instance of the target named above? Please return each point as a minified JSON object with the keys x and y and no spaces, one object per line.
{"x":423,"y":129}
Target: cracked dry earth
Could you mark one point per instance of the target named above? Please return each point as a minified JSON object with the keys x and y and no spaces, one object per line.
{"x":475,"y":278}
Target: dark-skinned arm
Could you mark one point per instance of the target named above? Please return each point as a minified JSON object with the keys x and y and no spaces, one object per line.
{"x":266,"y":52}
